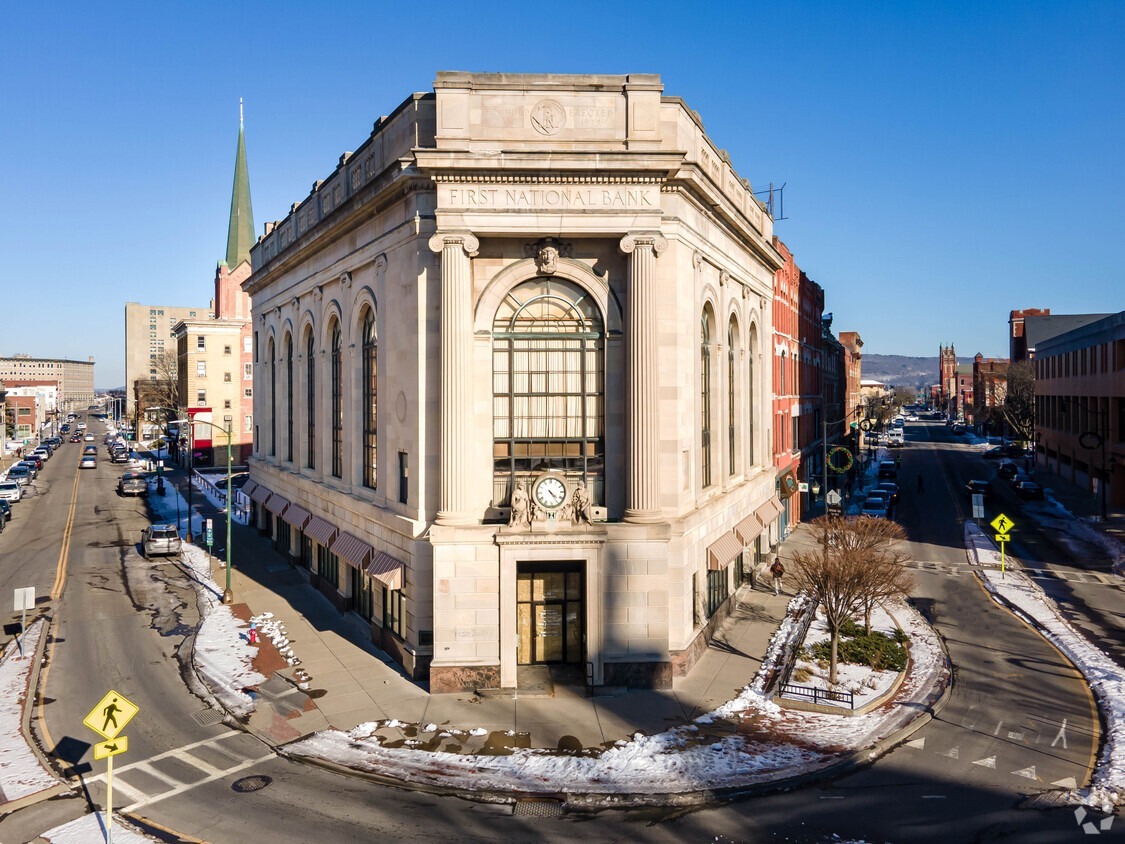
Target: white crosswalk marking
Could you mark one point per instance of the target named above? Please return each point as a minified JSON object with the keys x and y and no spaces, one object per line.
{"x":168,"y":785}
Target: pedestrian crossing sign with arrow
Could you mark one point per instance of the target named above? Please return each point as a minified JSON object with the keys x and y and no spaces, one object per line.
{"x":1003,"y":524}
{"x":111,"y":748}
{"x":110,"y":716}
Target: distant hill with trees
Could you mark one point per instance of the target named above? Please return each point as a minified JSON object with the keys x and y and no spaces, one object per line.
{"x":903,"y":371}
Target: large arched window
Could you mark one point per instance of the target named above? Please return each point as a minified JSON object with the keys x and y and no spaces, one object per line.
{"x":310,"y":401}
{"x":289,"y":397}
{"x":705,"y":398}
{"x":337,"y":411}
{"x":548,"y":387}
{"x":370,"y":400}
{"x":732,"y":397}
{"x":273,"y":398}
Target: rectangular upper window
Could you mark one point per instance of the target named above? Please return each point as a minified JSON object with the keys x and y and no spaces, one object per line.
{"x":201,"y":368}
{"x":200,"y":343}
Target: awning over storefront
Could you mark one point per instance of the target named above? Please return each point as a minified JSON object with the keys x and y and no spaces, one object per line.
{"x":320,"y":530}
{"x":249,"y":487}
{"x":260,"y":494}
{"x":297,"y":516}
{"x":277,"y":504}
{"x":747,"y":530}
{"x":352,"y":548}
{"x":386,"y":569}
{"x":769,"y":511}
{"x":723,"y":550}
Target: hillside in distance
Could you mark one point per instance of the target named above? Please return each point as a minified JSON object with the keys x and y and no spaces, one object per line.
{"x":903,"y":371}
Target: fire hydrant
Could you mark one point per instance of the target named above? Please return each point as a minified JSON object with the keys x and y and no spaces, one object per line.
{"x":253,"y":634}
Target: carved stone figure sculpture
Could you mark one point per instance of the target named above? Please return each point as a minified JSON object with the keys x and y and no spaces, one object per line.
{"x":520,"y":511}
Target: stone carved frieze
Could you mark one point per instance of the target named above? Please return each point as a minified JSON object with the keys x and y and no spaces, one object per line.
{"x":546,"y":253}
{"x":548,"y":117}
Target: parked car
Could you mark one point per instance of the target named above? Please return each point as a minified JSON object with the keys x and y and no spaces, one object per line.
{"x":10,"y":490}
{"x":20,"y":474}
{"x":890,"y":487}
{"x":132,"y":483}
{"x":888,"y":470}
{"x":119,"y":456}
{"x":36,"y":460}
{"x":875,"y":508}
{"x":88,"y":461}
{"x":978,"y":487}
{"x":6,"y":510}
{"x":1029,"y":490}
{"x":1007,"y":471}
{"x":995,"y":453}
{"x":32,"y":467}
{"x":159,"y":540}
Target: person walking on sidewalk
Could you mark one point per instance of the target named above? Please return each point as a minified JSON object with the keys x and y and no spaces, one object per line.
{"x":778,"y":572}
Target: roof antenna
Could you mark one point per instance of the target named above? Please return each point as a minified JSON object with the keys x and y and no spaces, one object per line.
{"x":240,"y":112}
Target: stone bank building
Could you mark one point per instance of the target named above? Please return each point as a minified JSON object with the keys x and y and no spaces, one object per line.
{"x":512,"y":381}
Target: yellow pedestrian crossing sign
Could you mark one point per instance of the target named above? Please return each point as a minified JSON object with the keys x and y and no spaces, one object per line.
{"x":1002,"y":524}
{"x":110,"y":716}
{"x":111,"y":748}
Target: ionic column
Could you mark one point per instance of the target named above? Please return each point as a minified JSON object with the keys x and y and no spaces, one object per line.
{"x":642,"y":497}
{"x":456,"y":356}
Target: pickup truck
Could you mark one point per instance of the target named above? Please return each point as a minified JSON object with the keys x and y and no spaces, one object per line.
{"x":161,"y":540}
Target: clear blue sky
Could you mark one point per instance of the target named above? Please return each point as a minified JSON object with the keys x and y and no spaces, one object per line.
{"x":944,"y":161}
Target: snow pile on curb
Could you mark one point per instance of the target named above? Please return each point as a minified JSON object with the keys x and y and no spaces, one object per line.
{"x":768,"y":743}
{"x":223,"y":655}
{"x":1105,"y":677}
{"x":21,"y":772}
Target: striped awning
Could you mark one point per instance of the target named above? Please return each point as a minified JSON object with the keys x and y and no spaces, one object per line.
{"x":386,"y":569}
{"x":277,"y":504}
{"x":249,"y":487}
{"x":351,"y":548}
{"x":769,"y":511}
{"x":297,"y":516}
{"x":260,"y":494}
{"x":747,"y":530}
{"x":722,"y":551}
{"x":320,"y":530}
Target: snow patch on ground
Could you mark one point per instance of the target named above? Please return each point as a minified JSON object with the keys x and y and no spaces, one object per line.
{"x":866,"y":684}
{"x":91,"y":828}
{"x":1105,"y":677}
{"x":21,"y":773}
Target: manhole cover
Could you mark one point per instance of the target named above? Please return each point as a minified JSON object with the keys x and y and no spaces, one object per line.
{"x":249,"y":784}
{"x":207,"y":717}
{"x":538,"y":809}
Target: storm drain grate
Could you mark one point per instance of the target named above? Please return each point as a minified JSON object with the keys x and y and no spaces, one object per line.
{"x":246,"y":785}
{"x":538,"y":809}
{"x":207,"y":717}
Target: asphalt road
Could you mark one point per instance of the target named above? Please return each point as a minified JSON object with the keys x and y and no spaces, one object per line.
{"x":1019,"y":718}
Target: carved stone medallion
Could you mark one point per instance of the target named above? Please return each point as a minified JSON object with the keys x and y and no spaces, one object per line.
{"x":548,"y":117}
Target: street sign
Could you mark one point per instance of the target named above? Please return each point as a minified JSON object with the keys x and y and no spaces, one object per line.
{"x":110,"y":716}
{"x":978,"y":505}
{"x":111,"y":748}
{"x":24,"y":599}
{"x":210,"y":536}
{"x":1003,"y":537}
{"x":833,"y":498}
{"x":1002,"y":524}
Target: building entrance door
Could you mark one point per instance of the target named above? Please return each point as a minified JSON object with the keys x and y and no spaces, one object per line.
{"x":550,"y":617}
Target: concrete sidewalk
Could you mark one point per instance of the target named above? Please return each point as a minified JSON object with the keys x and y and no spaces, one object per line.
{"x":1084,"y":505}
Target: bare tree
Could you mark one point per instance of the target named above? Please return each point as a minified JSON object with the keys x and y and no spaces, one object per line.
{"x":1019,"y":400}
{"x":856,"y":565}
{"x":166,"y":387}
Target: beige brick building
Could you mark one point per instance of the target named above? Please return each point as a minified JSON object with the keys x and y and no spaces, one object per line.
{"x":75,"y":378}
{"x":149,"y":333}
{"x":511,"y":380}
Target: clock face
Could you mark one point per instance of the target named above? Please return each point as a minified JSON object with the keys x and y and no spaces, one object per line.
{"x":550,"y":493}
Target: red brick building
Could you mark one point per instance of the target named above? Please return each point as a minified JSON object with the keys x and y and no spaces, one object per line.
{"x":787,"y":377}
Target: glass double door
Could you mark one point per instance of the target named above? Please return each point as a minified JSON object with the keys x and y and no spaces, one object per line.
{"x":550,"y":617}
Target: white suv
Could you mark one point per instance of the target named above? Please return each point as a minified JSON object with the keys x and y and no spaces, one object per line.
{"x":10,"y":490}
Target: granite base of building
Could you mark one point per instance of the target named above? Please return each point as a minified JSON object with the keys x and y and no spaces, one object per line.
{"x":445,"y":679}
{"x":684,"y":660}
{"x":638,"y":675}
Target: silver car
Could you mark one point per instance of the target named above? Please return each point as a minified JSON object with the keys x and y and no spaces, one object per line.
{"x":161,"y":540}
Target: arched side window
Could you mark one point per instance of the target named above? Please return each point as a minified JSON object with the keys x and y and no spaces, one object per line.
{"x":370,"y":400}
{"x":548,"y":387}
{"x":752,"y":395}
{"x":273,"y":398}
{"x":732,"y":397}
{"x":289,"y":397}
{"x":705,"y":398}
{"x":337,"y":411}
{"x":310,"y":401}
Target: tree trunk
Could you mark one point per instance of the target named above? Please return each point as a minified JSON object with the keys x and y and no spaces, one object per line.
{"x":867,"y":619}
{"x":832,"y":658}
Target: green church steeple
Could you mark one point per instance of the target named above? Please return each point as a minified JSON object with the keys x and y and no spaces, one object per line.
{"x":240,"y":232}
